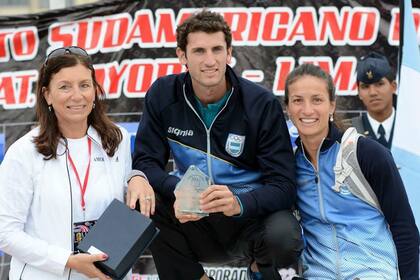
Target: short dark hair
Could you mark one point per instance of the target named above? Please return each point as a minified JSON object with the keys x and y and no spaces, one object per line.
{"x":204,"y":21}
{"x":308,"y":69}
{"x":47,"y":140}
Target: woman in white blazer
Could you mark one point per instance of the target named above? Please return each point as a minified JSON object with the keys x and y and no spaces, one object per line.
{"x":58,"y":179}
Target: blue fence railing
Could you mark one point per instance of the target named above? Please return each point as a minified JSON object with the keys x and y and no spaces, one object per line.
{"x":2,"y":148}
{"x":131,"y":127}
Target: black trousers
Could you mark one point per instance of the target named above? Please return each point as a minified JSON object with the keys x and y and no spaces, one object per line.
{"x":273,"y":242}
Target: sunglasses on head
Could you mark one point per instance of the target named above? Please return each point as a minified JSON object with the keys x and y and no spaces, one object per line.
{"x":66,"y":50}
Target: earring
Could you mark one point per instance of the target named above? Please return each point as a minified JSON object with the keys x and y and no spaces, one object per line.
{"x":331,"y":117}
{"x":93,"y":106}
{"x":49,"y":108}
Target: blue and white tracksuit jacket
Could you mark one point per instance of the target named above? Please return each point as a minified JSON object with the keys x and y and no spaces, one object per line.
{"x":247,"y":147}
{"x":345,"y":237}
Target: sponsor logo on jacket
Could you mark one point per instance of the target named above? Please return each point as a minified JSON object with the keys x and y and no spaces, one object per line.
{"x":180,"y":132}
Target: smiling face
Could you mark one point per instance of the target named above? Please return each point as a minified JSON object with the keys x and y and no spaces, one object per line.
{"x":71,"y":93}
{"x":309,"y":107}
{"x":377,"y":97}
{"x":206,"y":56}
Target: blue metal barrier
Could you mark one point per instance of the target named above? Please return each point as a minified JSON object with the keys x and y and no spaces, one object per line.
{"x":2,"y":145}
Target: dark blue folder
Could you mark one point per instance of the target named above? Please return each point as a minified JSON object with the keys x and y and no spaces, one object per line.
{"x":121,"y":233}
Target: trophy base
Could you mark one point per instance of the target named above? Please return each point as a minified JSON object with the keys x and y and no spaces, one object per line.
{"x":195,"y":212}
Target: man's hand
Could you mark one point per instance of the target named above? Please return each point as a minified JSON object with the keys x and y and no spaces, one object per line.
{"x":139,"y":189}
{"x":83,"y":263}
{"x":218,"y":198}
{"x":184,"y":217}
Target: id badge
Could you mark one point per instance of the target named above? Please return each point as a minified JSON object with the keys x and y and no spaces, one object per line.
{"x":79,"y":231}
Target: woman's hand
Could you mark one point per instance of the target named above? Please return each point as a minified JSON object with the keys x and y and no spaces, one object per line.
{"x":140,"y":189}
{"x":83,"y":263}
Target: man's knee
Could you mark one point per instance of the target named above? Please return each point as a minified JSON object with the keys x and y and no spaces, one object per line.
{"x":283,"y":236}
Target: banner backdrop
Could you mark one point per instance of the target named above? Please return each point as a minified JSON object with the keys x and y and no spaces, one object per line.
{"x":133,"y":42}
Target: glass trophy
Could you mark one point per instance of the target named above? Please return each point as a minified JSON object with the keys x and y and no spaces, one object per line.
{"x":188,"y":191}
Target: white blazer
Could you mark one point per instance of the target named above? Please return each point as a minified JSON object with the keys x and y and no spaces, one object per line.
{"x":36,"y":226}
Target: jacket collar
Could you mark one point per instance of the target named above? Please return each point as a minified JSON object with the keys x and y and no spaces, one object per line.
{"x":334,"y":135}
{"x":230,"y":76}
{"x":92,"y":133}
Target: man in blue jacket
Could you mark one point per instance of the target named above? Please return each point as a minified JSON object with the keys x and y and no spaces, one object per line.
{"x":234,"y":131}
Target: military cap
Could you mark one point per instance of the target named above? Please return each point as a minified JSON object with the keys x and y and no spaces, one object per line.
{"x":372,"y":68}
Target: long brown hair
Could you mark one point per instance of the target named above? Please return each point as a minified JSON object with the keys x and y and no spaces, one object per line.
{"x":49,"y":135}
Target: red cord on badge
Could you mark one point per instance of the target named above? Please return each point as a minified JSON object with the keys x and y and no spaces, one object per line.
{"x":85,"y":182}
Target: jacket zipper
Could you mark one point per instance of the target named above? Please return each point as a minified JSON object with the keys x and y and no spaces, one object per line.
{"x":21,"y":273}
{"x":321,"y":205}
{"x":209,"y":168}
{"x":71,"y":205}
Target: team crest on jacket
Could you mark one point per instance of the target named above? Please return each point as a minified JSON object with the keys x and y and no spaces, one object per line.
{"x":235,"y":144}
